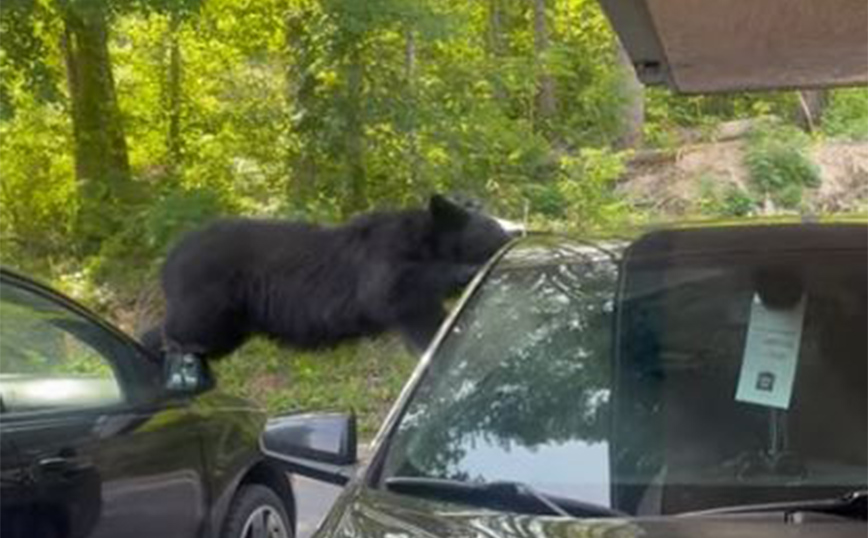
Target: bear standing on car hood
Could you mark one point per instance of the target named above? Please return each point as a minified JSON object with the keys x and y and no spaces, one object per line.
{"x":312,"y":287}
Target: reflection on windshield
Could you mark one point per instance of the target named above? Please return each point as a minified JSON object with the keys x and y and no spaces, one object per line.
{"x":514,"y":393}
{"x":618,"y":386}
{"x":551,"y":467}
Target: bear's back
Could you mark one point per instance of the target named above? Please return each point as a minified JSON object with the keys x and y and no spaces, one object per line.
{"x":227,"y":248}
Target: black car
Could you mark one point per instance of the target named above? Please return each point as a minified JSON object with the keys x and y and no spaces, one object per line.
{"x":99,"y":439}
{"x":708,"y":381}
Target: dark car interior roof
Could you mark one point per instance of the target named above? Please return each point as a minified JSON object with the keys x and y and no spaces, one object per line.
{"x":705,"y":46}
{"x":772,"y":239}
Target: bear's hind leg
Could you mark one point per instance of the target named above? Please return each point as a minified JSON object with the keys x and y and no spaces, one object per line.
{"x":152,"y":339}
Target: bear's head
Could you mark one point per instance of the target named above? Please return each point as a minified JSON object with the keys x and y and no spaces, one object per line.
{"x":463,"y":235}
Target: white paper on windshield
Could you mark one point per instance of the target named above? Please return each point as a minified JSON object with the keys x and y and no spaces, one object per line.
{"x":771,"y":353}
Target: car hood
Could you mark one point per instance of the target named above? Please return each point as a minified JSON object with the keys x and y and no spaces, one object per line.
{"x":367,"y":513}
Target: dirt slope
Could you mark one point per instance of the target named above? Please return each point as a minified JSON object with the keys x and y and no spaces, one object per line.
{"x":674,"y":182}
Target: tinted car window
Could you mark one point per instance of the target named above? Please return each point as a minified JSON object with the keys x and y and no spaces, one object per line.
{"x":49,"y":358}
{"x":632,"y":385}
{"x":705,"y":411}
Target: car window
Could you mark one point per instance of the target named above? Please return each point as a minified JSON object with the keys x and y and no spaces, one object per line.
{"x":740,"y":381}
{"x":50,"y":357}
{"x":520,"y":388}
{"x":634,"y":385}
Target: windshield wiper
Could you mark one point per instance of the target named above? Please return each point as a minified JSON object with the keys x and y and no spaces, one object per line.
{"x":499,"y":495}
{"x":853,"y":505}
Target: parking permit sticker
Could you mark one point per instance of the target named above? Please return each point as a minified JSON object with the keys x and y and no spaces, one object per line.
{"x":771,"y":351}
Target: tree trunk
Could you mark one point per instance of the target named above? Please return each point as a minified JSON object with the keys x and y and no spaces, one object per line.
{"x":101,"y":161}
{"x":300,"y":92}
{"x":495,"y":30}
{"x":495,"y":47}
{"x":409,"y":55}
{"x":410,"y":76}
{"x":173,"y":136}
{"x":546,"y":102}
{"x":633,"y":119}
{"x":812,"y":103}
{"x":354,"y":143}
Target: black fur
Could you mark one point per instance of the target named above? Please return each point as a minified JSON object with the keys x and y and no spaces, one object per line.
{"x":312,"y":287}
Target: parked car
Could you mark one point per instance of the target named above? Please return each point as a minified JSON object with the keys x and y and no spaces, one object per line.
{"x":703,"y":381}
{"x":100,"y":439}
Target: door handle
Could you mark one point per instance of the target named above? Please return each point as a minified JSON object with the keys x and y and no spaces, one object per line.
{"x":54,"y":465}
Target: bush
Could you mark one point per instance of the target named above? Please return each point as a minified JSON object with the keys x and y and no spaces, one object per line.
{"x":731,"y":201}
{"x":737,"y":203}
{"x":179,"y":211}
{"x":134,"y":253}
{"x":587,"y":186}
{"x":546,"y":199}
{"x":38,"y":194}
{"x":847,"y":114}
{"x":779,"y":165}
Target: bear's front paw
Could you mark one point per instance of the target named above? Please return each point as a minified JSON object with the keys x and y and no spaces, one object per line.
{"x":464,"y":273}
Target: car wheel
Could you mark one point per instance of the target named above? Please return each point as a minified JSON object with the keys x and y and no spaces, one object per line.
{"x":257,"y":512}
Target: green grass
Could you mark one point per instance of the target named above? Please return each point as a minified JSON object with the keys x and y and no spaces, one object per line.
{"x":365,"y":377}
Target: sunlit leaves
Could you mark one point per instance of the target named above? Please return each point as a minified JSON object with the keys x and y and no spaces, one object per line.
{"x":320,"y":108}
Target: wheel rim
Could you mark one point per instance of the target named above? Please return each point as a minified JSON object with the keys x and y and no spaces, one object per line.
{"x":264,"y":522}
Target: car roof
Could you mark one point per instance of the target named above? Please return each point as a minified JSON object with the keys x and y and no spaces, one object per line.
{"x":11,"y":274}
{"x":706,"y":46}
{"x":767,"y":237}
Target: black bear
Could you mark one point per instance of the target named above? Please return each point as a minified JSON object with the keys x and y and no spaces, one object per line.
{"x":311,"y":287}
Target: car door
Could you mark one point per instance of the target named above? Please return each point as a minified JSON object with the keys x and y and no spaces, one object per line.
{"x":91,"y":446}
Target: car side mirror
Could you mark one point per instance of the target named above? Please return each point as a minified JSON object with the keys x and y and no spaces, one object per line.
{"x":185,"y":373}
{"x":321,"y":446}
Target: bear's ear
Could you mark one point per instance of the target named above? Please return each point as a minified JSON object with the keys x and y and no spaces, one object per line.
{"x":445,"y":214}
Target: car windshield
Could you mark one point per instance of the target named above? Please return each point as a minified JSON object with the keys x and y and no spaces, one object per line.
{"x":653,"y":381}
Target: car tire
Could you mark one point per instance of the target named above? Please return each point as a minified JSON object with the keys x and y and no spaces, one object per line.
{"x":257,"y":512}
